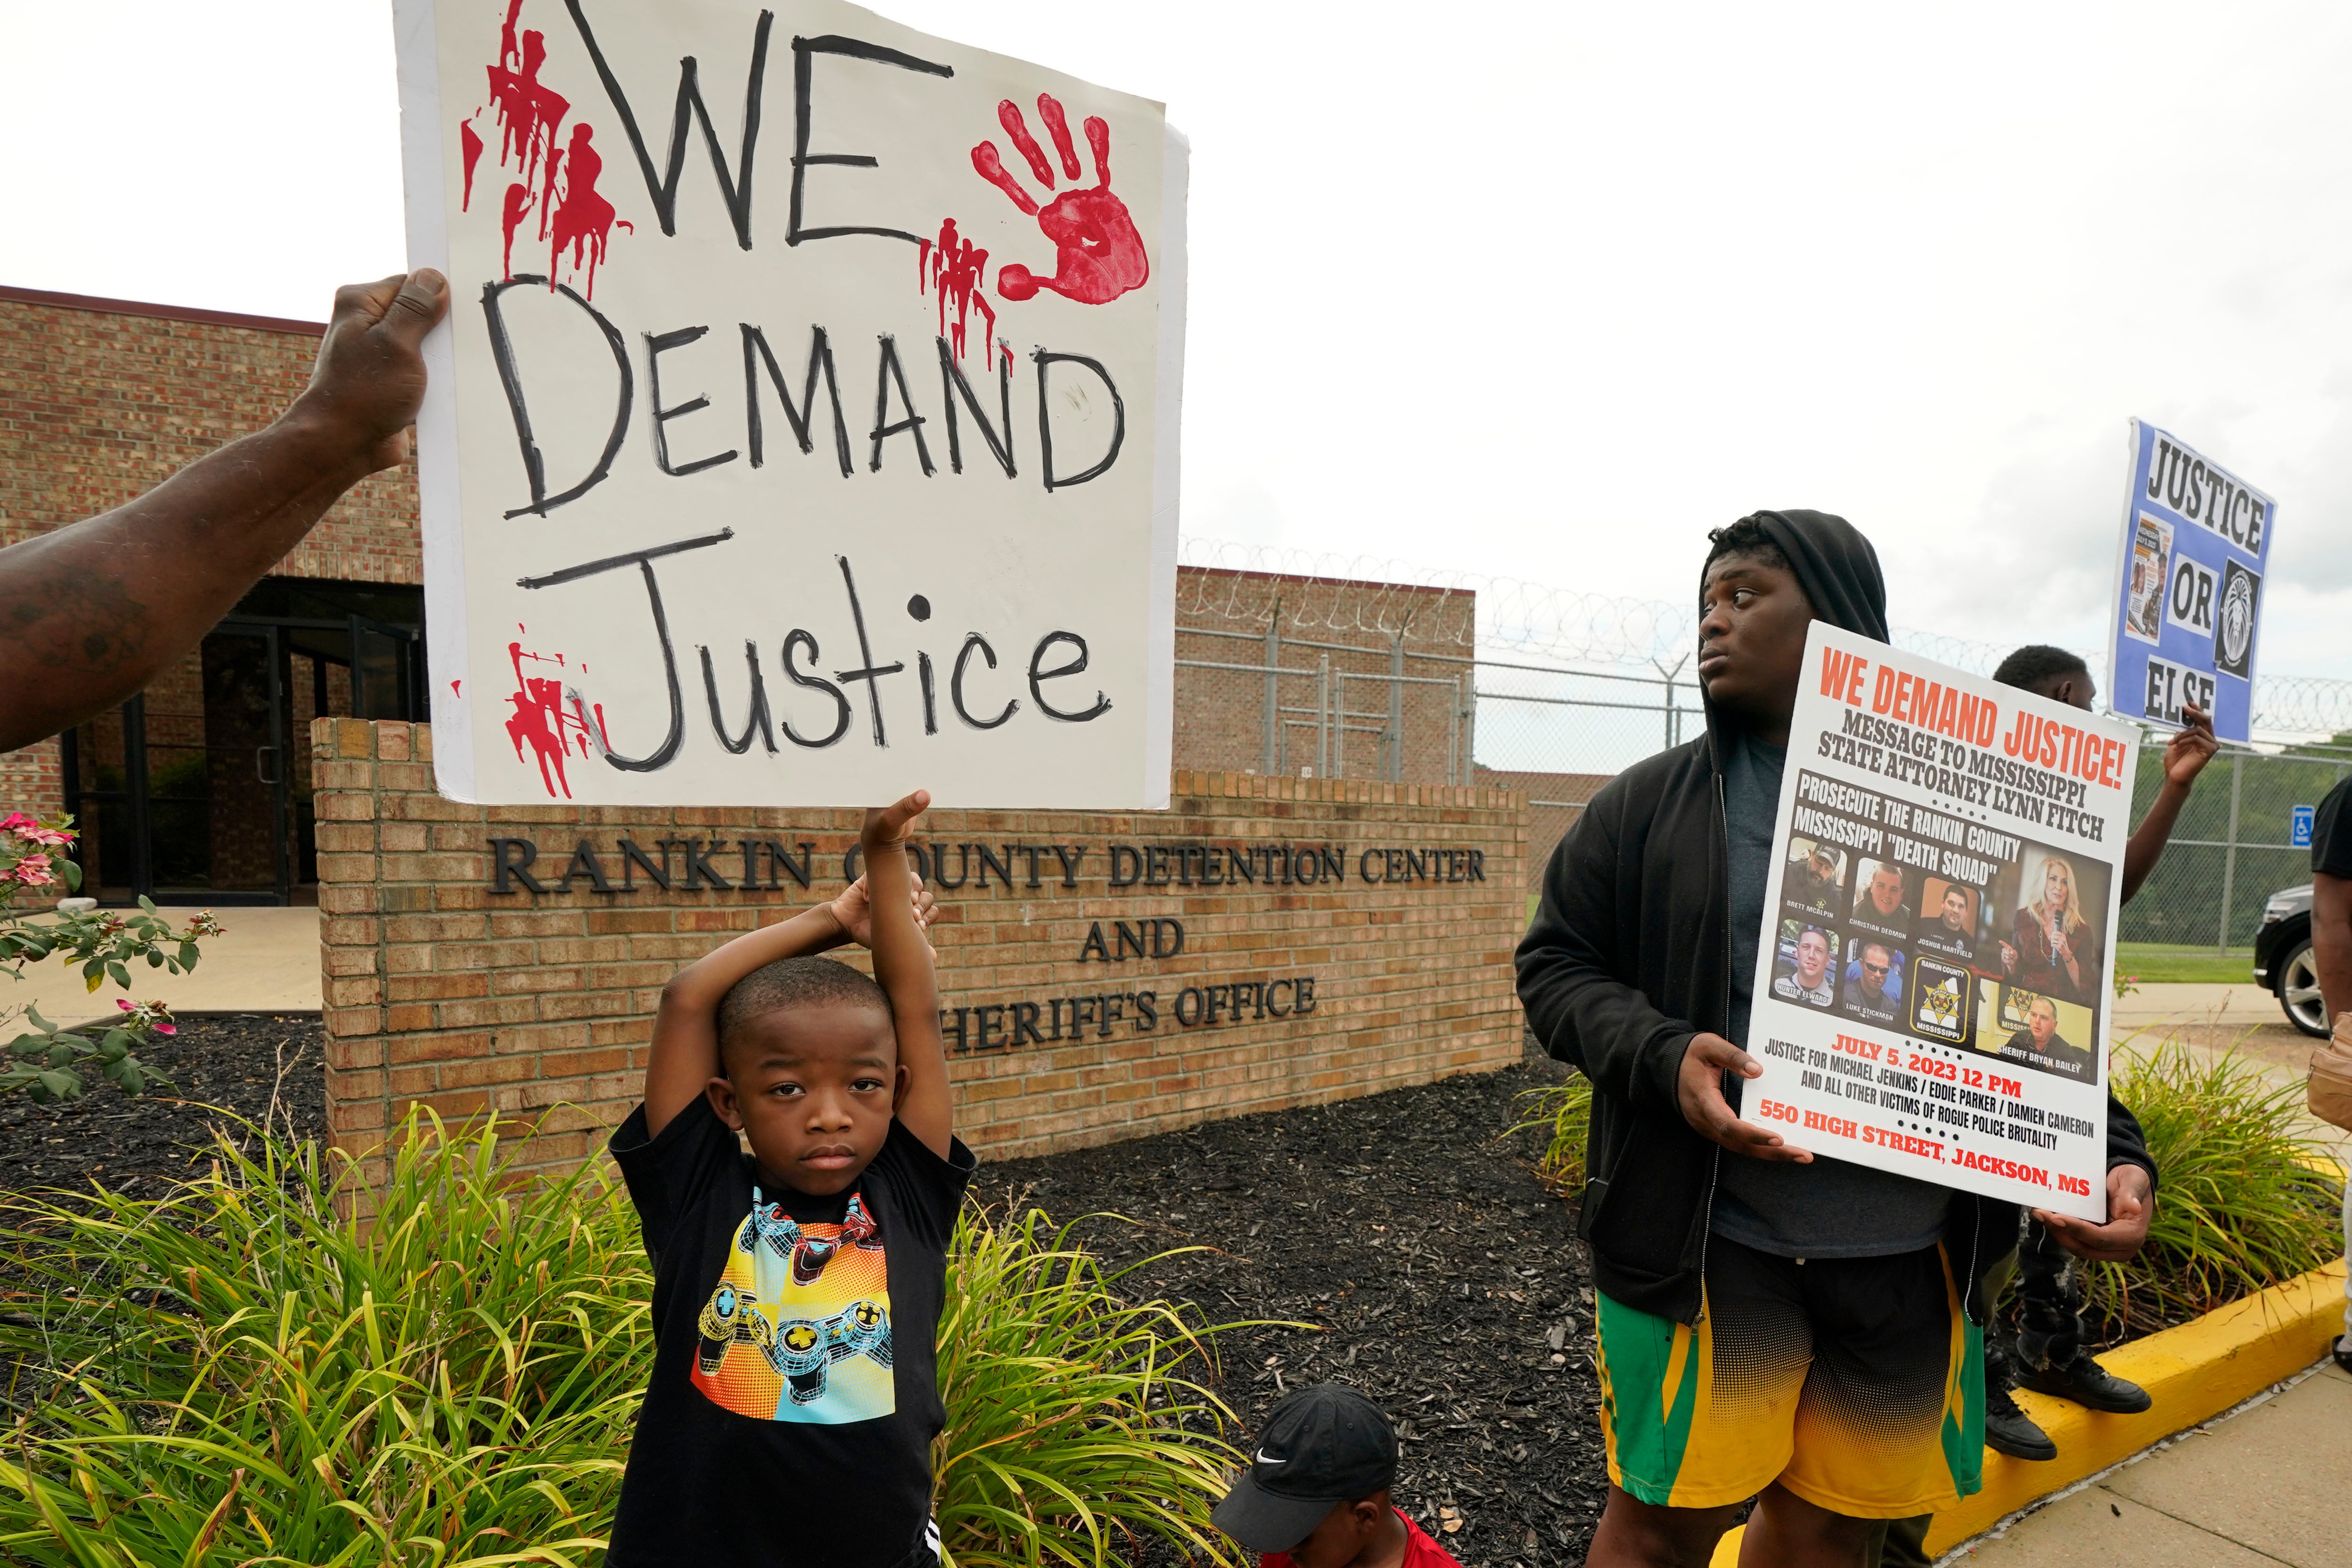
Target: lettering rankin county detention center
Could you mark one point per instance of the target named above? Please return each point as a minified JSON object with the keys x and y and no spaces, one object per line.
{"x":761,"y":862}
{"x":686,"y":865}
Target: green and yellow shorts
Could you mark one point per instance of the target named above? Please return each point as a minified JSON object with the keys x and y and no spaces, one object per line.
{"x":1857,"y":1383}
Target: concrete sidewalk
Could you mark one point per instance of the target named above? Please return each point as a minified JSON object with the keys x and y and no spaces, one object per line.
{"x":2242,"y":1005}
{"x":267,"y":961}
{"x":2269,"y":1484}
{"x":2211,"y":1020}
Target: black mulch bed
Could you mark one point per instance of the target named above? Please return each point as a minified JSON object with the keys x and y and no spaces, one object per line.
{"x":259,"y":1065}
{"x":1444,"y":1281}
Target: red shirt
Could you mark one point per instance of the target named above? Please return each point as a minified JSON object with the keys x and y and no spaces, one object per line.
{"x":1419,"y":1551}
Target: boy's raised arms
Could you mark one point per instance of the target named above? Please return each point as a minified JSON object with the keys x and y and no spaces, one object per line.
{"x":902,"y":962}
{"x":685,"y":1055}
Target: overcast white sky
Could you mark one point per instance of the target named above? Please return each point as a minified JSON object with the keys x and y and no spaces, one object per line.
{"x":1542,"y":291}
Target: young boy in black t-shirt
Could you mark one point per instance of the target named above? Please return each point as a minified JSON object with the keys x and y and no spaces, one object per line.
{"x":797,"y":1290}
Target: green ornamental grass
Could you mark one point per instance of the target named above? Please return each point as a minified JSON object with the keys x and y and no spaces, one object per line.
{"x":241,"y":1372}
{"x":2246,"y":1199}
{"x":1562,"y":1111}
{"x":1073,"y":1431}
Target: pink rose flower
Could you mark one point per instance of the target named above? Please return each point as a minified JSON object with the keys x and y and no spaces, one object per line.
{"x":33,"y":872}
{"x":148,"y":1015}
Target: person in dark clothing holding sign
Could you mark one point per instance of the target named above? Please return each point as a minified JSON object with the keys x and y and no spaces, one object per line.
{"x":2062,"y":677}
{"x":2044,"y":1351}
{"x":2041,"y":1342}
{"x":797,"y":1289}
{"x":1768,"y":1325}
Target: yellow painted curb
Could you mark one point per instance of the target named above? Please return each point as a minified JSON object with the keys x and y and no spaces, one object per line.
{"x":2192,"y":1373}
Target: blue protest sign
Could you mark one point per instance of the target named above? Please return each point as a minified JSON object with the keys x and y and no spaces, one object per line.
{"x":2298,"y":836}
{"x":2189,"y":586}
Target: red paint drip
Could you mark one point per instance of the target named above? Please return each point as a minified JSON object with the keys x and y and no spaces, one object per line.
{"x":470,"y":141}
{"x":561,"y":189}
{"x":540,"y":722}
{"x":529,"y":112}
{"x":958,"y":271}
{"x":455,"y":689}
{"x":583,"y":218}
{"x":510,"y":215}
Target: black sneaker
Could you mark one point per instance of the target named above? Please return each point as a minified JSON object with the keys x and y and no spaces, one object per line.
{"x":2343,"y":1353}
{"x":2009,"y":1430}
{"x":2086,"y":1382}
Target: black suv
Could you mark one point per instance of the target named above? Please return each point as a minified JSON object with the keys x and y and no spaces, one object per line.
{"x":2283,"y":959}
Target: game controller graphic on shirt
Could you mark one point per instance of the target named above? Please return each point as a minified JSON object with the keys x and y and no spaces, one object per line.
{"x":797,"y":1326}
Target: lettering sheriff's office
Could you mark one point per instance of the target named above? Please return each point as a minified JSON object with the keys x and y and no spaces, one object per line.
{"x":519,"y":866}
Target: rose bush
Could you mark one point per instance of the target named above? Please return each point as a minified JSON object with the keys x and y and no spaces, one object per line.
{"x":41,"y":1058}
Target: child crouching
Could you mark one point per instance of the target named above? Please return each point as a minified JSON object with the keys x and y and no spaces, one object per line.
{"x":1316,"y":1492}
{"x":797,"y":1290}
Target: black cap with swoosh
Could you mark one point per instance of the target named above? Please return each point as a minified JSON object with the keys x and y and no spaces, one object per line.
{"x":1322,"y":1446}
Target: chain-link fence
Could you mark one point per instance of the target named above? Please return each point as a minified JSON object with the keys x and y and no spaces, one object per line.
{"x":1360,"y":668}
{"x":1561,"y":734}
{"x":2233,"y":845}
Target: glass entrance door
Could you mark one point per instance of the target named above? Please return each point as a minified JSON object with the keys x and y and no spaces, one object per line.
{"x":386,"y":682}
{"x":182,"y":791}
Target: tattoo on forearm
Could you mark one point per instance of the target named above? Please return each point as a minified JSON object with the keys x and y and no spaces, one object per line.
{"x":70,"y":621}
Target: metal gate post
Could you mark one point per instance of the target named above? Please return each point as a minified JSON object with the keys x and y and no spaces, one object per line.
{"x":2230,"y":855}
{"x":1453,"y":735}
{"x":1470,"y":726}
{"x":1323,"y":716}
{"x":1395,"y":769}
{"x":1272,"y":697}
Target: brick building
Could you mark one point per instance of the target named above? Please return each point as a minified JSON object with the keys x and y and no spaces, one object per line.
{"x":1554,"y":803}
{"x":202,"y":788}
{"x":1311,"y":677}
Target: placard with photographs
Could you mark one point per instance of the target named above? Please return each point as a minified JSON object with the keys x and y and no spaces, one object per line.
{"x":1934,"y":983}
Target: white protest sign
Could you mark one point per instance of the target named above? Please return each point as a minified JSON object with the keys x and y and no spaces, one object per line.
{"x":803,"y":429}
{"x":1935,"y":973}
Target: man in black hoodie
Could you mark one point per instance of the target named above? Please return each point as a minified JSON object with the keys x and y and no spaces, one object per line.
{"x":1771,"y":1326}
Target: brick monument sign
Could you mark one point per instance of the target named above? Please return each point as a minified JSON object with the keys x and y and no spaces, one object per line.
{"x":1267,"y":941}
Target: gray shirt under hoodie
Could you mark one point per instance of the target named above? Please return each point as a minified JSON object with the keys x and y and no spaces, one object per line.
{"x":1830,"y":1208}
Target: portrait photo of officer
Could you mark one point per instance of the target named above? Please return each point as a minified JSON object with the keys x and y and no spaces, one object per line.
{"x":1881,"y":893}
{"x":1946,"y":918}
{"x":1873,"y":981}
{"x":1805,"y":965}
{"x":2040,"y":1042}
{"x":1816,"y":876}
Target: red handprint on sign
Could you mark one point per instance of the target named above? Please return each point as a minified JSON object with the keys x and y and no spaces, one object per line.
{"x":1097,"y":253}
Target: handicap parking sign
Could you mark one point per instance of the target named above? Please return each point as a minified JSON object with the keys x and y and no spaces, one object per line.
{"x":2299,"y":832}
